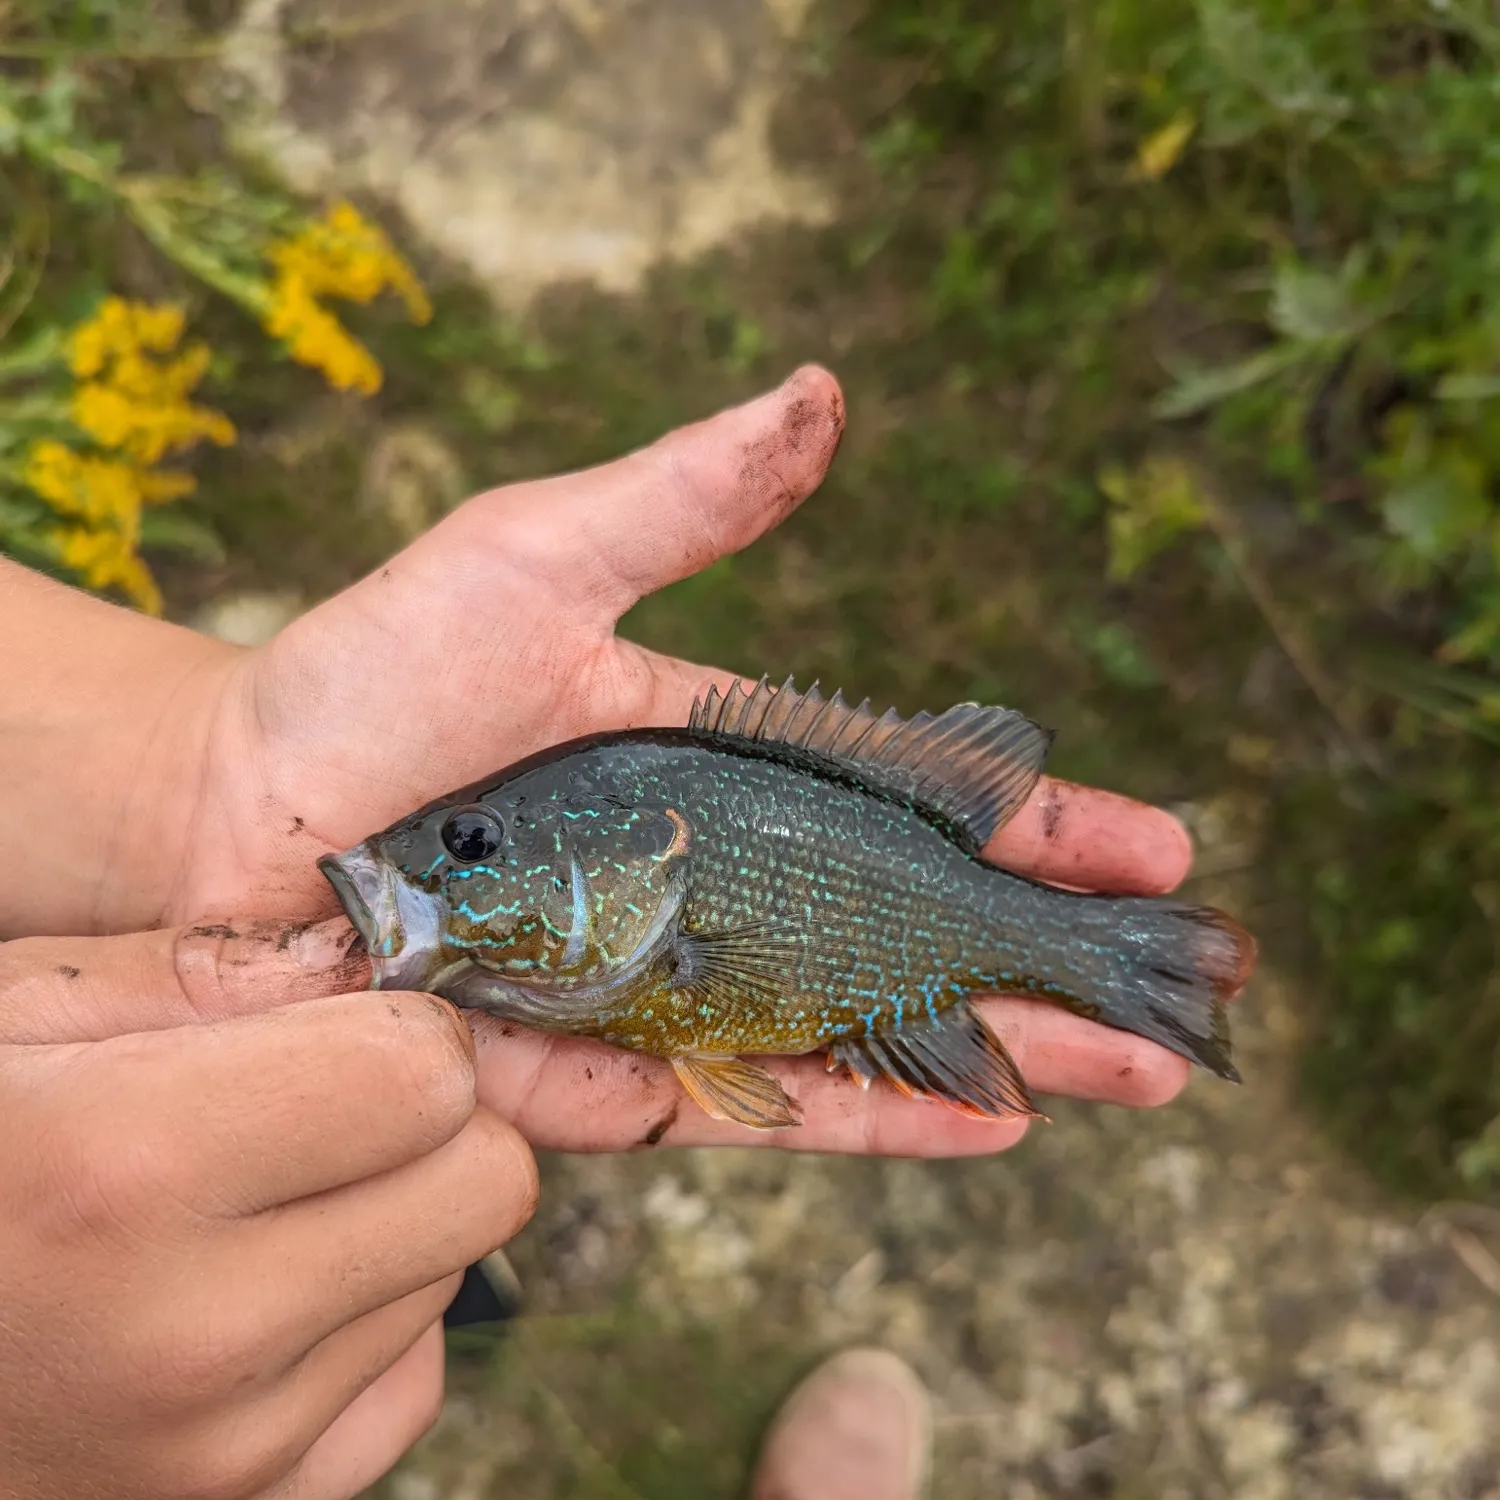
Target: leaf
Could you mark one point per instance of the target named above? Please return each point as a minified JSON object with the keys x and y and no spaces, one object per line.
{"x":14,"y":513}
{"x":1479,"y":638}
{"x":1313,"y":305}
{"x":1437,"y":512}
{"x":22,"y":262}
{"x":965,"y":278}
{"x":23,"y":527}
{"x":1121,"y":655}
{"x":42,"y":351}
{"x":1163,"y":148}
{"x":1198,"y":389}
{"x":1150,"y":507}
{"x":172,"y":531}
{"x":1275,"y":66}
{"x":1467,"y":386}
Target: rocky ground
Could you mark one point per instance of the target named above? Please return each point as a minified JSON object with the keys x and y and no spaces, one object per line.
{"x":1195,"y":1303}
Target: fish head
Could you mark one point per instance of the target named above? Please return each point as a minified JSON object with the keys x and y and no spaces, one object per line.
{"x":542,"y":886}
{"x":455,"y":879}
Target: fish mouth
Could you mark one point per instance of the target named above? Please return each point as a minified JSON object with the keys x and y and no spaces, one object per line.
{"x":340,"y":873}
{"x":400,"y":926}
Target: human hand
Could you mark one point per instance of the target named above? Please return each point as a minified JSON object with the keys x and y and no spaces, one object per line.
{"x":494,"y":635}
{"x":226,"y":1249}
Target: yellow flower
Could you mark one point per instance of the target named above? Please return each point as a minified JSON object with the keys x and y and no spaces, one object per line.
{"x":144,"y":429}
{"x":340,"y":255}
{"x":106,"y":559}
{"x":1161,"y":150}
{"x":344,"y":255}
{"x":127,"y":399}
{"x":158,"y":486}
{"x":132,"y":396}
{"x":105,"y":497}
{"x":99,"y":489}
{"x":119,"y":327}
{"x":161,"y":380}
{"x":317,"y":339}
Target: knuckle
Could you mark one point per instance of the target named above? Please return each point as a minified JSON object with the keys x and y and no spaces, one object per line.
{"x":702,"y":529}
{"x":428,"y":1051}
{"x":206,"y":1349}
{"x":100,"y":1186}
{"x":234,"y":1464}
{"x":181,"y":1354}
{"x":508,"y":1160}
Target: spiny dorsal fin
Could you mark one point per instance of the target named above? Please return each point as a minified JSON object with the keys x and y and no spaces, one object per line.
{"x":971,"y":764}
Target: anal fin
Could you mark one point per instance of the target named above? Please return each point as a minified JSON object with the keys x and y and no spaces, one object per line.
{"x":957,"y":1059}
{"x":728,"y":1089}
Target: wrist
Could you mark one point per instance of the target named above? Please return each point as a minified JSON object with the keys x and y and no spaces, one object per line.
{"x":105,"y":722}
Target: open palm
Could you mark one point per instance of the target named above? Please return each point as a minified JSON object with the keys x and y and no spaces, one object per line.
{"x":494,"y":635}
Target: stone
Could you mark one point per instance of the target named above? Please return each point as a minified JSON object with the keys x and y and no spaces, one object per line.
{"x":530,"y":141}
{"x":247,"y":619}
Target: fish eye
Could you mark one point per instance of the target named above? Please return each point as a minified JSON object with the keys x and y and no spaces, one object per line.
{"x":472,"y":833}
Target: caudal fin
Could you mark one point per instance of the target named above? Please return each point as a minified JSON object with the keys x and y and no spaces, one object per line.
{"x":1174,"y":969}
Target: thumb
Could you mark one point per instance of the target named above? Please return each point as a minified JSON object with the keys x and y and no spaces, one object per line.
{"x":621,"y":531}
{"x":87,"y":989}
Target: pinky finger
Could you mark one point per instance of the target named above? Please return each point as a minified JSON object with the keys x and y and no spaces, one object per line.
{"x":372,"y":1434}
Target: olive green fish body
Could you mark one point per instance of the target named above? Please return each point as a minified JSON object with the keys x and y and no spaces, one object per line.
{"x":738,"y":887}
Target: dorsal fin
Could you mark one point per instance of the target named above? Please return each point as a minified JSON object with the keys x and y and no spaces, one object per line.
{"x":973,"y":766}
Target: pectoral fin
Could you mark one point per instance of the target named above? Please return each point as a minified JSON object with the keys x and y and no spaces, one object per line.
{"x":744,"y":970}
{"x":728,"y":1089}
{"x":958,"y":1060}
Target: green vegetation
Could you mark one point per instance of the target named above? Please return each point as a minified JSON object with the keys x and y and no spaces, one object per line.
{"x":1171,"y":349}
{"x":1247,"y":251}
{"x":1250,"y":250}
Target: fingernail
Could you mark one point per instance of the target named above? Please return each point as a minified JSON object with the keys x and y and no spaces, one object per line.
{"x":460,"y":1023}
{"x":774,"y":395}
{"x":317,"y":945}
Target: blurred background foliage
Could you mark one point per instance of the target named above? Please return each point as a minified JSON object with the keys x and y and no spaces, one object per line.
{"x":1173,"y":351}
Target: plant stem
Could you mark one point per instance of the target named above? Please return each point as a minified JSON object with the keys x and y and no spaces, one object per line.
{"x":1288,"y":635}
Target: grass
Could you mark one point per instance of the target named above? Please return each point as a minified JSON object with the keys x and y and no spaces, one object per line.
{"x":1171,"y":351}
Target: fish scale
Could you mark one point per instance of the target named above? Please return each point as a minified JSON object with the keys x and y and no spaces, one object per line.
{"x":783,"y":876}
{"x":868,"y":954}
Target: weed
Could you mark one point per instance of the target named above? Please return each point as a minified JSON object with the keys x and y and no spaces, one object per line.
{"x":87,"y":411}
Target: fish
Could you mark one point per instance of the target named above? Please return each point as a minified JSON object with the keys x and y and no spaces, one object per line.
{"x":783,"y":875}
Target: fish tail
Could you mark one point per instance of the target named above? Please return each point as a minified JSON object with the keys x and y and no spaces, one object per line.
{"x":1155,"y":967}
{"x":1181,"y":966}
